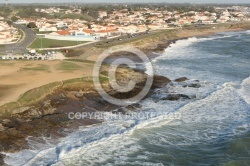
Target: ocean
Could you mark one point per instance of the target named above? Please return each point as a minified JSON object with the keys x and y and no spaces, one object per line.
{"x":212,"y":128}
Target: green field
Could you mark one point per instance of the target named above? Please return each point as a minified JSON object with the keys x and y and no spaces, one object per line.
{"x":50,"y":43}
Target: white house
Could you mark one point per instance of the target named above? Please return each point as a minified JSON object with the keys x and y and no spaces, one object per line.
{"x":107,"y":33}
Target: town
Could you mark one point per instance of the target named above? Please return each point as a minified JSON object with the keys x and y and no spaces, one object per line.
{"x":68,"y":26}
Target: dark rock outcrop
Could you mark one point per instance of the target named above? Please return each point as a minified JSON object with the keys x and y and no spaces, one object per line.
{"x":160,"y":82}
{"x":192,"y":85}
{"x":182,"y":79}
{"x":79,"y":94}
{"x":47,"y":108}
{"x":2,"y":128}
{"x":51,"y":115}
{"x":175,"y":97}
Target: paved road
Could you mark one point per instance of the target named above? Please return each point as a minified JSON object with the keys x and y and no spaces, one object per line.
{"x":20,"y":47}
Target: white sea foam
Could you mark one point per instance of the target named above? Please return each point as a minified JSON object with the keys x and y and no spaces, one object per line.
{"x":197,"y":121}
{"x":182,"y":49}
{"x":244,"y":91}
{"x":200,"y":121}
{"x":248,"y":31}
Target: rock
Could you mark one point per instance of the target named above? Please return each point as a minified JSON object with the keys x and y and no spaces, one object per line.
{"x":79,"y":94}
{"x":26,"y":127}
{"x":161,"y":47}
{"x":3,"y":135}
{"x":56,"y":102}
{"x":10,"y":123}
{"x":127,"y":125}
{"x":192,"y":86}
{"x":102,"y":101}
{"x":5,"y":121}
{"x":62,"y":95}
{"x":133,"y":106}
{"x":121,"y":110}
{"x":174,"y":97}
{"x":182,"y":79}
{"x":15,"y":133}
{"x":46,"y":104}
{"x":29,"y":114}
{"x":34,"y":113}
{"x":2,"y":128}
{"x":160,"y":81}
{"x":47,"y":109}
{"x":2,"y":159}
{"x":20,"y":110}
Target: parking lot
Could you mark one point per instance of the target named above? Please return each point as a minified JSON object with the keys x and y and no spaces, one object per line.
{"x":35,"y":56}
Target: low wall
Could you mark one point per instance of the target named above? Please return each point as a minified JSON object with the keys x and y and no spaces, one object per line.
{"x":72,"y":38}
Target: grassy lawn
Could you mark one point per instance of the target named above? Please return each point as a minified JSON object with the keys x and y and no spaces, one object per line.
{"x":50,"y":43}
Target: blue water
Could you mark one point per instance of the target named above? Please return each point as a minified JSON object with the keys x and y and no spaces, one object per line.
{"x":211,"y":129}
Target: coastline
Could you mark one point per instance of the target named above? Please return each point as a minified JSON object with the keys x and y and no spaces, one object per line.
{"x":159,"y":41}
{"x":58,"y":98}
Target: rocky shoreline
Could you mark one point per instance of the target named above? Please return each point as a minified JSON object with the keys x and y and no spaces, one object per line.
{"x":50,"y":117}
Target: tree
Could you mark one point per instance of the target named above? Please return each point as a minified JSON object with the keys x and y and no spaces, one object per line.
{"x":89,"y":26}
{"x":14,"y":18}
{"x":199,"y":21}
{"x":5,"y":11}
{"x":9,"y":22}
{"x":171,"y":20}
{"x":31,"y":25}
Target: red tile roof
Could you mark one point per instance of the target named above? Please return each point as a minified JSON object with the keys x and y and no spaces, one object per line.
{"x":64,"y":32}
{"x":88,"y":31}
